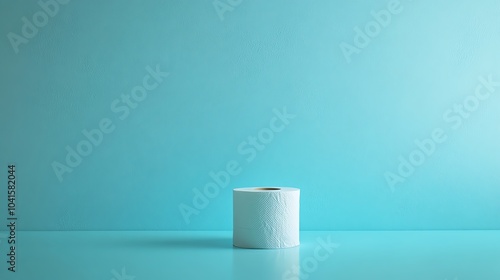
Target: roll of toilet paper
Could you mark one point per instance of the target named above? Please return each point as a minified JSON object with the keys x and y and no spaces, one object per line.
{"x":266,"y":217}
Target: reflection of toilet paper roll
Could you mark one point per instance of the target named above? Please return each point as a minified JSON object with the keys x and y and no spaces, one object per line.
{"x":265,"y":264}
{"x":266,"y":217}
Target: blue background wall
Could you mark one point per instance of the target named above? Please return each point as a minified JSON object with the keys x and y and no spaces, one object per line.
{"x":228,"y":71}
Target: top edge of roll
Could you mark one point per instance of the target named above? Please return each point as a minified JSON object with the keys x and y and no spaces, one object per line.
{"x":266,"y":189}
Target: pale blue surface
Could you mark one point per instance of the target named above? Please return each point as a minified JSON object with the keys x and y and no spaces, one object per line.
{"x":410,"y":255}
{"x":353,"y":120}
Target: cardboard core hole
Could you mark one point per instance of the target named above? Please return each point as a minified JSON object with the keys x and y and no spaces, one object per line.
{"x":268,"y":189}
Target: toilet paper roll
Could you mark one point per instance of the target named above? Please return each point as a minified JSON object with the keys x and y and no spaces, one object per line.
{"x":266,"y":217}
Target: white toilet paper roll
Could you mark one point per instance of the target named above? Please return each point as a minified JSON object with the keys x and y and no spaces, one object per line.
{"x":266,"y":217}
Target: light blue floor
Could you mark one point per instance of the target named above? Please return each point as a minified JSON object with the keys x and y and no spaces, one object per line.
{"x":365,"y":255}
